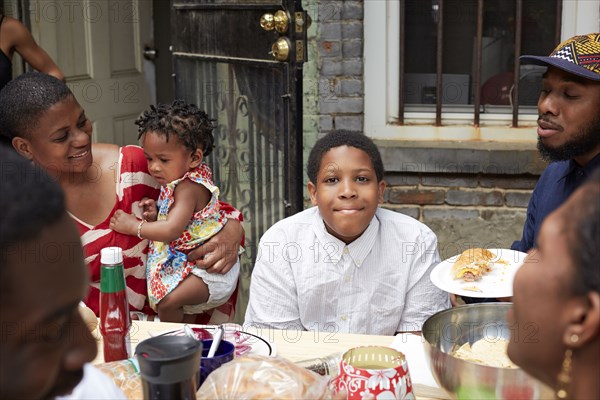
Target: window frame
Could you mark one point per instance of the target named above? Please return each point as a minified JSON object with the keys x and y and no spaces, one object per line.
{"x":382,"y":81}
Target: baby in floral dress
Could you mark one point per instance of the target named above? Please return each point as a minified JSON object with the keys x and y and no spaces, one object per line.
{"x":175,"y":139}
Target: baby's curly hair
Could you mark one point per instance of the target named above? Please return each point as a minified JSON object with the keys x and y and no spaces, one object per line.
{"x":188,"y":122}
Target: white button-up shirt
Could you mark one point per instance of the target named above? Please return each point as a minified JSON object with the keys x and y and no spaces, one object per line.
{"x":305,"y":278}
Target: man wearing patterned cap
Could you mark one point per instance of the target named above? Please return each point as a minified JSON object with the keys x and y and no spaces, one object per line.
{"x":568,"y":127}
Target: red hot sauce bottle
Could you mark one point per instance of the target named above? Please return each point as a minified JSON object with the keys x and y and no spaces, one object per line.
{"x":114,"y":308}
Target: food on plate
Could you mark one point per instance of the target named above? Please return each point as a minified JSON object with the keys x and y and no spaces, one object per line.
{"x":260,"y":377}
{"x":201,"y":334}
{"x":472,"y":264}
{"x":472,"y":289}
{"x":490,"y":352}
{"x":241,"y":340}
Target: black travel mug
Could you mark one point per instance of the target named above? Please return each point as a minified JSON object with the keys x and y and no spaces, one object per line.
{"x":169,"y":367}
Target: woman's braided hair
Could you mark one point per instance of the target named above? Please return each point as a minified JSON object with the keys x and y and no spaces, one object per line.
{"x":188,"y":122}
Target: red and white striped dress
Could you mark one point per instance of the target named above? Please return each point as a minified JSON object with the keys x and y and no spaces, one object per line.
{"x":133,"y":185}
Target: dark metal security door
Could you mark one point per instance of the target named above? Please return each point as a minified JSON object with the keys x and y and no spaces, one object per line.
{"x":248,"y":78}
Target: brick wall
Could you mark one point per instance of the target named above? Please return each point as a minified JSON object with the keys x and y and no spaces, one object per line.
{"x":464,"y":210}
{"x":340,"y":65}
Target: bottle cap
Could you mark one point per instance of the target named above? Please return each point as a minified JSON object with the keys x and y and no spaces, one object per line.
{"x":111,"y":255}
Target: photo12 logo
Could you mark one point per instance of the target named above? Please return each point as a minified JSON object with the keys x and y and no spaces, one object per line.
{"x":71,"y":11}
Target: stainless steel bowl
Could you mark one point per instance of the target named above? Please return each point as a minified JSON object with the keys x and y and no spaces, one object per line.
{"x":447,"y":330}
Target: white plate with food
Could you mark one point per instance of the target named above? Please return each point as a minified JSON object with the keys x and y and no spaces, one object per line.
{"x":479,"y":273}
{"x":245,"y":342}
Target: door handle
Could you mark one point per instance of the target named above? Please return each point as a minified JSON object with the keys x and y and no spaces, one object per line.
{"x":279,"y":21}
{"x":150,"y":53}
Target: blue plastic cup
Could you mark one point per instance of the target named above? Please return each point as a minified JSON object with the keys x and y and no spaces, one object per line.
{"x":224,"y":353}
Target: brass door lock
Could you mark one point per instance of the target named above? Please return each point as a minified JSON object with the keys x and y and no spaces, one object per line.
{"x":281,"y":49}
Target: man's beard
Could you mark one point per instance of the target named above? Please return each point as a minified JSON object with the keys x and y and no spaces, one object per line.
{"x":584,"y":142}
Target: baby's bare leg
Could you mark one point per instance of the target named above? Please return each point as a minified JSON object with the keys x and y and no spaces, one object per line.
{"x":192,"y":290}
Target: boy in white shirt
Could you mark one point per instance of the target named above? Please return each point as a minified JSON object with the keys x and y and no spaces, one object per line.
{"x":346,"y":265}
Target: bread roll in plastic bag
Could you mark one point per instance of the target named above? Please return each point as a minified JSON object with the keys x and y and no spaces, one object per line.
{"x":125,"y":374}
{"x":261,"y":377}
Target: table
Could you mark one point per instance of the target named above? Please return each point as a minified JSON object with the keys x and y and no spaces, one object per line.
{"x":291,"y":344}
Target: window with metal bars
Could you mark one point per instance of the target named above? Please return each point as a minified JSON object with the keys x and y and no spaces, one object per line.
{"x":462,"y":56}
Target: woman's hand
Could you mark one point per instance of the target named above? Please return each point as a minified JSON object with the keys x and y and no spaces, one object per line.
{"x":220,"y":253}
{"x":150,"y":210}
{"x":124,"y":223}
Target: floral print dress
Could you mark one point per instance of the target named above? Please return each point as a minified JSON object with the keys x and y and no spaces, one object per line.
{"x":167,"y":263}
